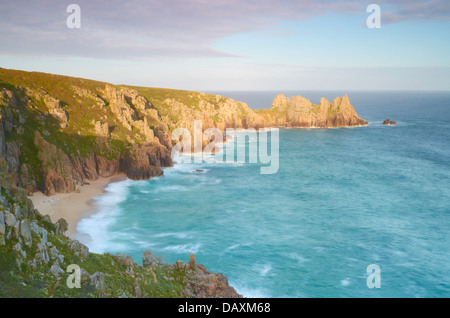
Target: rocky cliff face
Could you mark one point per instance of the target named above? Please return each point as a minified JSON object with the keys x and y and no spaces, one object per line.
{"x":57,"y":132}
{"x":300,"y":112}
{"x":35,"y":254}
{"x":60,"y":132}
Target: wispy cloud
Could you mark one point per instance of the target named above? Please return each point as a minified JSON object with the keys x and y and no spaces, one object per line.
{"x":402,"y":11}
{"x":171,"y":28}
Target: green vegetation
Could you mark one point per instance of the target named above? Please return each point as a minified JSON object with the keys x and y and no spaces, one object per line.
{"x":29,"y":267}
{"x":332,"y":111}
{"x":57,"y":131}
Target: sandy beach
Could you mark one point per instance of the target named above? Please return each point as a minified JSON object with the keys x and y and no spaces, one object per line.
{"x":73,"y":206}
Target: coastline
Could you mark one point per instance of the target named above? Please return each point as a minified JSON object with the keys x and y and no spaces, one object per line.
{"x":74,"y":206}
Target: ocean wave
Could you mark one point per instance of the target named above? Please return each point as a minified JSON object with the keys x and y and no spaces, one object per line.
{"x":93,"y":231}
{"x":248,"y":292}
{"x":180,"y":235}
{"x":262,"y":269}
{"x":183,"y":249}
{"x":299,"y":259}
{"x":232,"y":247}
{"x":345,"y":282}
{"x":170,"y":188}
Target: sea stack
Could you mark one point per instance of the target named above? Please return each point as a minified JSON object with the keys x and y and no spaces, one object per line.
{"x":389,"y":122}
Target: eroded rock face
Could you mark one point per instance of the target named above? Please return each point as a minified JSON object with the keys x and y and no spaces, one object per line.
{"x":57,"y":168}
{"x":55,"y":183}
{"x":300,"y":112}
{"x":205,"y":284}
{"x":101,"y":129}
{"x":132,"y":110}
{"x":144,"y":162}
{"x":62,"y":173}
{"x":123,"y":129}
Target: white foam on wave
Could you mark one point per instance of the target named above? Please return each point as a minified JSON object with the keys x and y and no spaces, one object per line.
{"x":299,"y":259}
{"x":180,"y":235}
{"x":248,"y":292}
{"x":183,"y":249}
{"x":145,"y":245}
{"x":93,"y":231}
{"x":232,"y":247}
{"x":263,"y":269}
{"x":170,"y":188}
{"x":191,"y":162}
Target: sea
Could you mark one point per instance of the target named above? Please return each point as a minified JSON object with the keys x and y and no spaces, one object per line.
{"x":348,"y":213}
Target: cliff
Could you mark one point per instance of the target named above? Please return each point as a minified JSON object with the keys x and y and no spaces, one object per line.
{"x":35,"y":254}
{"x":300,"y":112}
{"x":63,"y":131}
{"x":58,"y":132}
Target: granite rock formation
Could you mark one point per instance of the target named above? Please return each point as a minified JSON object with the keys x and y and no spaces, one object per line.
{"x":61,"y":132}
{"x":300,"y":112}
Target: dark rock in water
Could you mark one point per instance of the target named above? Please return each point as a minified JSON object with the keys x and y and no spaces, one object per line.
{"x":199,"y":170}
{"x":389,"y":122}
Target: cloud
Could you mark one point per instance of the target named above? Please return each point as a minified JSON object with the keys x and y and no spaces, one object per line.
{"x":143,"y":29}
{"x":411,"y":11}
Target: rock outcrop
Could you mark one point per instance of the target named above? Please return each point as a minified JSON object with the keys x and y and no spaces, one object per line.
{"x":389,"y":122}
{"x":61,"y":132}
{"x":145,"y":162}
{"x":198,"y":281}
{"x":58,"y":132}
{"x":300,"y":112}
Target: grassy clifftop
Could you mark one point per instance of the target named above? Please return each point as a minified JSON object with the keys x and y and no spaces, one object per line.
{"x":60,"y":131}
{"x":57,"y":132}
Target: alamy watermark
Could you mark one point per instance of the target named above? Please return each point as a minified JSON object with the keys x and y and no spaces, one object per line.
{"x":74,"y":279}
{"x":74,"y":19}
{"x":205,"y":142}
{"x":374,"y":278}
{"x":374,"y":19}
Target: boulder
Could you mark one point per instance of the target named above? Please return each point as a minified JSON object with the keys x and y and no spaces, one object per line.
{"x":98,"y":280}
{"x":56,"y":270}
{"x":10,"y":219}
{"x":150,"y":259}
{"x":78,"y":248}
{"x":61,"y":226}
{"x":124,"y":259}
{"x":25,"y":231}
{"x":42,"y":254}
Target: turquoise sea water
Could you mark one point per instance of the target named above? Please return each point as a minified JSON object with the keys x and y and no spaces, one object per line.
{"x":342,"y":199}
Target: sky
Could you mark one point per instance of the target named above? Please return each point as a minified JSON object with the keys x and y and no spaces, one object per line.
{"x":233,"y":45}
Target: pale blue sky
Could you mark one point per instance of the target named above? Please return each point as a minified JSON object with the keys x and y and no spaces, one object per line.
{"x":234,"y":45}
